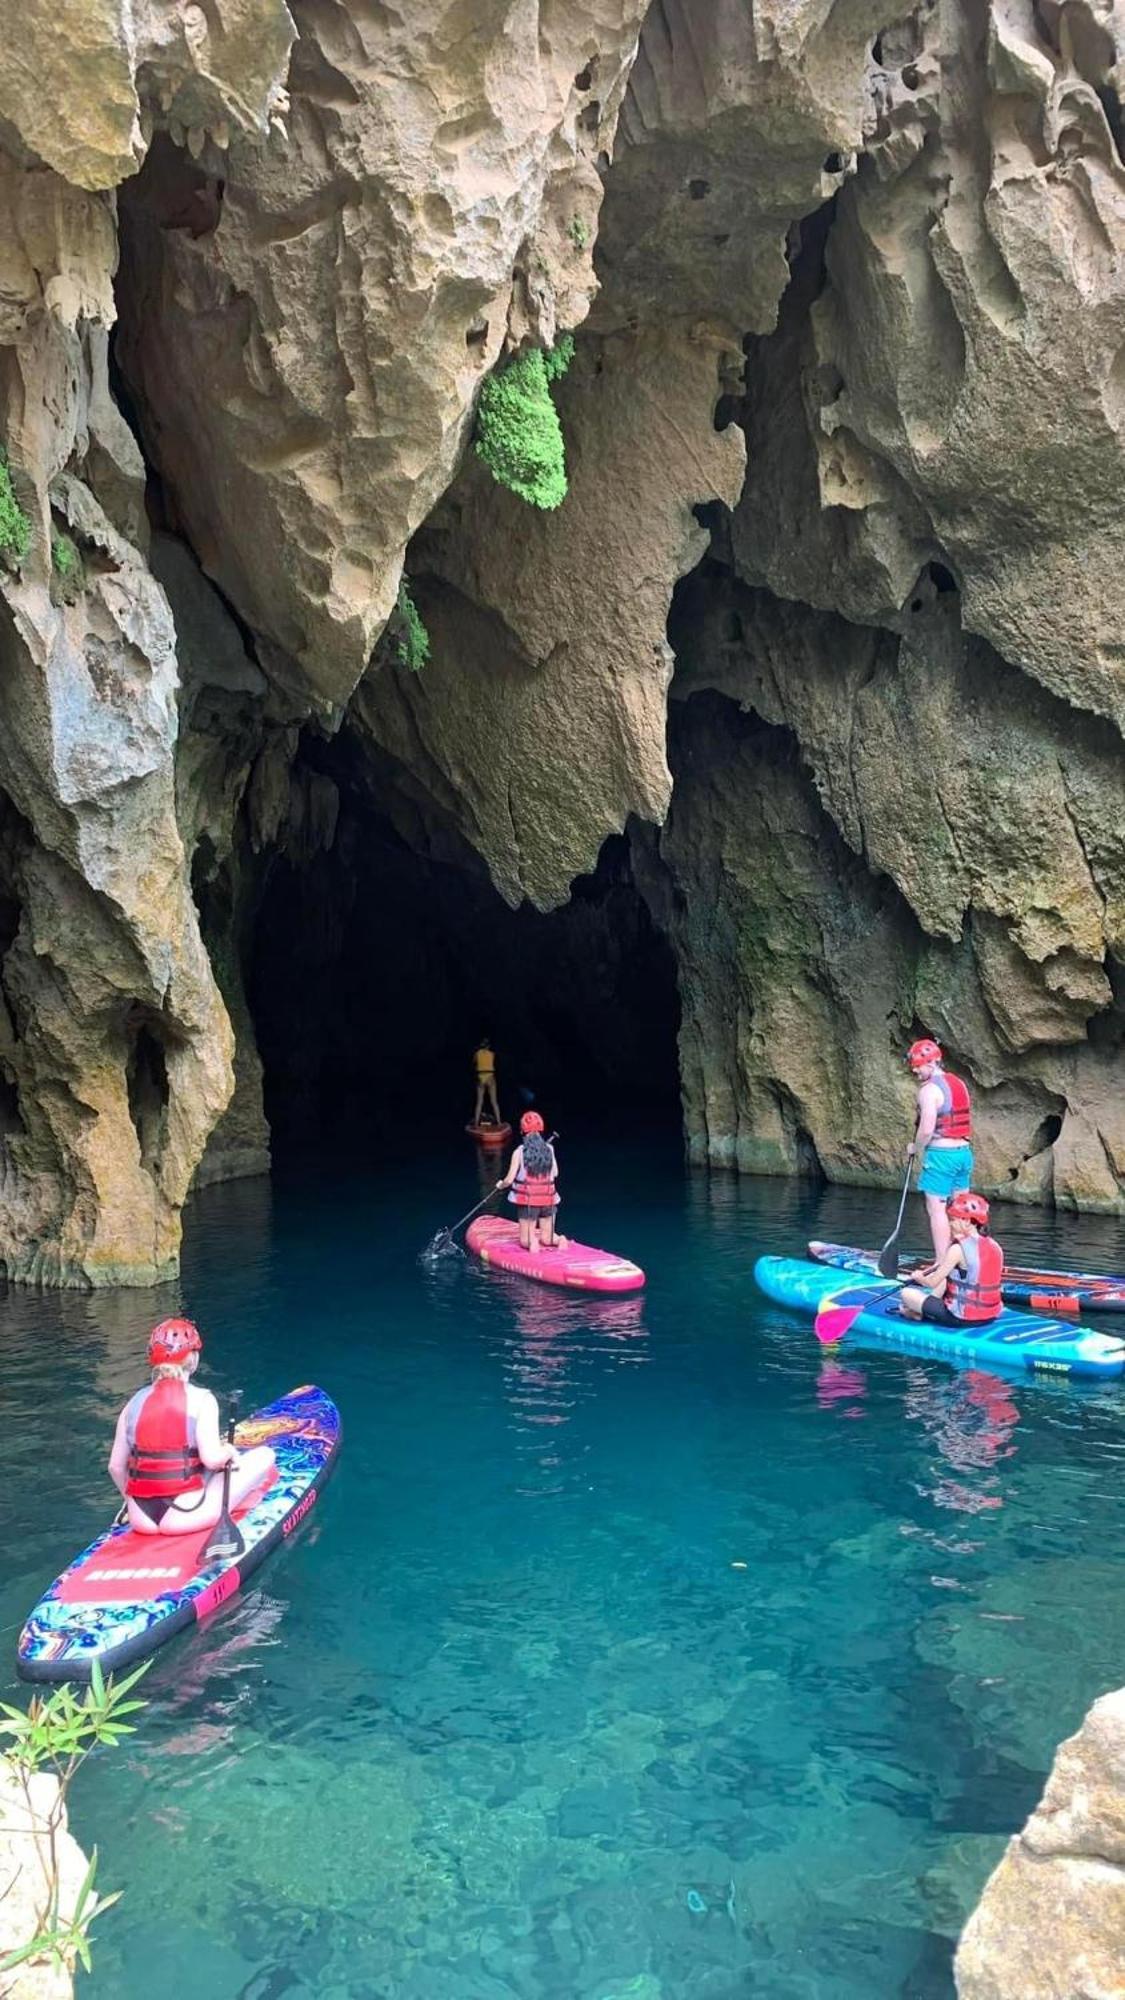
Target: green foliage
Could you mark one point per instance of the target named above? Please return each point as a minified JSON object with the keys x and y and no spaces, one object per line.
{"x":67,"y":567}
{"x":15,"y":528}
{"x":56,"y":1734}
{"x":519,"y":436}
{"x":65,"y":558}
{"x":409,"y":636}
{"x":578,"y":231}
{"x":557,"y":359}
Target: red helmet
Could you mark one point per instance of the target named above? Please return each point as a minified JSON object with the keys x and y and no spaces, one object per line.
{"x":531,"y":1122}
{"x":920,"y":1053}
{"x":171,"y":1342}
{"x":965,"y":1207}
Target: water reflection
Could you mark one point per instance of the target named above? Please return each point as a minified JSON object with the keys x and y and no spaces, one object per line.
{"x":839,"y":1387}
{"x":554,"y":1359}
{"x":970,"y":1420}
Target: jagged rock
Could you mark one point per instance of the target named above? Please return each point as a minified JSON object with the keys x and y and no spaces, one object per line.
{"x":84,"y":80}
{"x":306,"y":336}
{"x":115,"y":1045}
{"x":1051,"y":1922}
{"x":29,"y":1857}
{"x":539,"y":722}
{"x":222,"y":700}
{"x":737,"y":121}
{"x":960,"y":372}
{"x":998,"y":833}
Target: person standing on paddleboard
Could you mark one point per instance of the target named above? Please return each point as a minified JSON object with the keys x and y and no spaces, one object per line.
{"x":942,"y":1136}
{"x":168,"y":1453}
{"x":963,"y":1287}
{"x":531,"y":1176}
{"x":484,"y":1063}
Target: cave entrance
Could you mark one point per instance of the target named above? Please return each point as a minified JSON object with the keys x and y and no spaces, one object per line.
{"x":378,"y":961}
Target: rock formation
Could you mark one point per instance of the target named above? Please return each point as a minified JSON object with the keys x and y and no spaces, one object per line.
{"x":1052,"y":1916}
{"x":846,"y":401}
{"x":25,"y":1871}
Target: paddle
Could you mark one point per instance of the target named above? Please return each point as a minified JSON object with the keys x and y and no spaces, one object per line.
{"x":887,"y":1260}
{"x":833,"y":1321}
{"x":437,"y":1244}
{"x":227,"y":1539}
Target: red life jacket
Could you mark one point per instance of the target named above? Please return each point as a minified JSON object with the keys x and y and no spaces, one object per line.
{"x":163,"y":1460}
{"x":534,"y":1190}
{"x":975,"y":1299}
{"x":955,"y":1119}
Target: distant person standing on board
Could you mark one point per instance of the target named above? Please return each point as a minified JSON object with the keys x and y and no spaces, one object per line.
{"x":942,"y":1136}
{"x":484,"y":1062}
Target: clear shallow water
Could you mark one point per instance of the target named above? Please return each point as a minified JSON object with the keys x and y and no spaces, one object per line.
{"x":636,"y":1651}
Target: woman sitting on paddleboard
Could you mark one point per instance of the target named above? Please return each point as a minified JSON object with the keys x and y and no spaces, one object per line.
{"x":167,"y":1452}
{"x":963,"y":1287}
{"x":531,"y":1176}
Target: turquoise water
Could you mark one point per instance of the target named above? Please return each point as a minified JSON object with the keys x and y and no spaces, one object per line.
{"x":637,"y":1651}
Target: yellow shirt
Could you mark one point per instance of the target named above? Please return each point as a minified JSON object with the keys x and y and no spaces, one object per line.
{"x":485,"y":1061}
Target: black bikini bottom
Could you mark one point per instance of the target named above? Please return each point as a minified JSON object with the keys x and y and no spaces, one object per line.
{"x":156,"y":1509}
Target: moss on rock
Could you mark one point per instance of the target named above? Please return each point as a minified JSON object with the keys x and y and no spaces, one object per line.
{"x":519,"y":436}
{"x":15,"y":528}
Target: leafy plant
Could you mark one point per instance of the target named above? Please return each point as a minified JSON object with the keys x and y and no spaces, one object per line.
{"x":67,"y":566}
{"x":578,"y":230}
{"x":409,"y":637}
{"x":557,"y":359}
{"x":55,"y":1735}
{"x":15,"y":528}
{"x":519,"y":436}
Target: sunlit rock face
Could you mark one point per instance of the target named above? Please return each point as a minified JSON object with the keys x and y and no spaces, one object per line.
{"x":1052,"y":1916}
{"x":305,"y":325}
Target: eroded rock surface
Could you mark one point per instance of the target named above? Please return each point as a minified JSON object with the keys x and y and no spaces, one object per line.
{"x":306,"y":325}
{"x":539,"y":723}
{"x":1006,"y":859}
{"x":115,"y":1044}
{"x":1052,"y":1918}
{"x":882,"y":249}
{"x":26,"y":1868}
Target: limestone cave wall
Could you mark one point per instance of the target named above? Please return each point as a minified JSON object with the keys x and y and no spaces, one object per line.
{"x":827,"y":628}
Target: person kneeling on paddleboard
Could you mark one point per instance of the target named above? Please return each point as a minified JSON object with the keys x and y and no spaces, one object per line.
{"x":531,"y":1176}
{"x":168,"y":1455}
{"x":963,"y":1287}
{"x":942,"y":1135}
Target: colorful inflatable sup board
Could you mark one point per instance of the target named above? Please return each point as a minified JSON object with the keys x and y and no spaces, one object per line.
{"x":576,"y":1265}
{"x":1014,"y":1340}
{"x":1051,"y":1292}
{"x":128,"y":1593}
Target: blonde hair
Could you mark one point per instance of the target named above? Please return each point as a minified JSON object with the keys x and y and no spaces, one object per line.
{"x":175,"y":1371}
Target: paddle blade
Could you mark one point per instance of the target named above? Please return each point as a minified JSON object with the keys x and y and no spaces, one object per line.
{"x":441,"y":1245}
{"x":887,"y":1260}
{"x":226,"y":1541}
{"x":833,"y":1322}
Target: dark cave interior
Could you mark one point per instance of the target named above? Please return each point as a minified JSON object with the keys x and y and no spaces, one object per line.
{"x":374,"y":968}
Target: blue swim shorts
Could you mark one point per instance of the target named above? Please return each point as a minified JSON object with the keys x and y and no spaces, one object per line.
{"x":946,"y":1170}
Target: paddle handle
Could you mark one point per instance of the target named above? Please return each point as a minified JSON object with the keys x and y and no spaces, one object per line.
{"x":472,"y":1212}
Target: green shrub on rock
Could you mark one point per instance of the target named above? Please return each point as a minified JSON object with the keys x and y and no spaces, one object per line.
{"x":15,"y":528}
{"x":68,"y":571}
{"x":519,"y":436}
{"x":409,"y":637}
